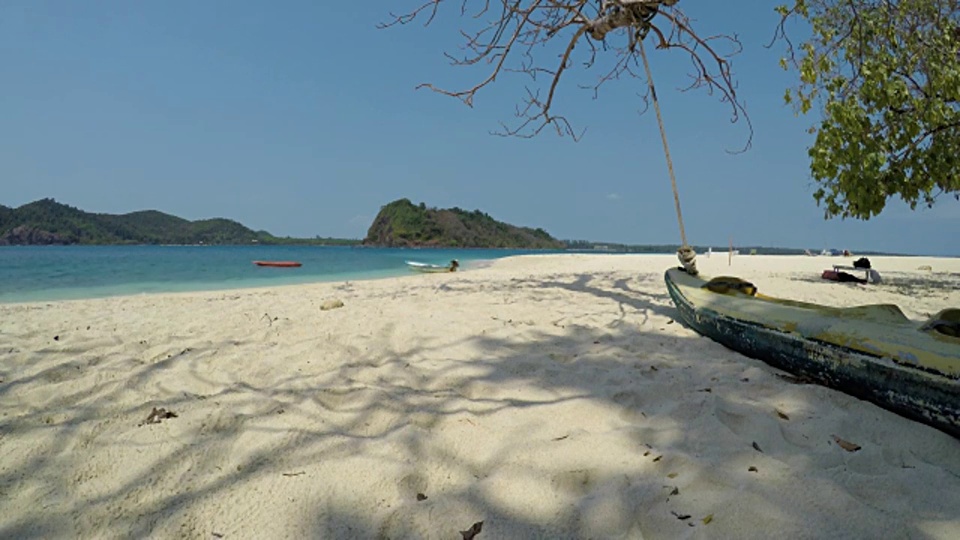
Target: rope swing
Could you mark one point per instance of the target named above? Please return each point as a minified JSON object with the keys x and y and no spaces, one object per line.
{"x":686,"y":254}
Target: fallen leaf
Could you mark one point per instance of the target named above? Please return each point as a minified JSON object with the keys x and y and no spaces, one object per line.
{"x":647,"y":453}
{"x":705,"y":390}
{"x":676,"y":491}
{"x":157,"y":415}
{"x":658,"y":458}
{"x":707,"y":519}
{"x":421,"y":497}
{"x":672,"y":475}
{"x":752,"y":469}
{"x":472,"y":531}
{"x":680,"y":516}
{"x":782,"y":414}
{"x":670,"y":321}
{"x":294,"y":473}
{"x":756,"y":447}
{"x":745,"y":379}
{"x":561,"y":438}
{"x":846,"y":445}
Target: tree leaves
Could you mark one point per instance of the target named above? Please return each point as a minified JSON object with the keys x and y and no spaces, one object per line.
{"x":886,"y":77}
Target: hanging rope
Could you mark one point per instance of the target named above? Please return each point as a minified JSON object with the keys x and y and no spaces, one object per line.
{"x":686,"y":254}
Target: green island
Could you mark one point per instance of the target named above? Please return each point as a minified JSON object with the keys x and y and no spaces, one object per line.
{"x":404,"y":224}
{"x":47,"y":222}
{"x":398,"y":224}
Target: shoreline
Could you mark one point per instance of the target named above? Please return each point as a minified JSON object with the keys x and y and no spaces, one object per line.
{"x":545,"y":395}
{"x":903,"y":263}
{"x":45,"y":276}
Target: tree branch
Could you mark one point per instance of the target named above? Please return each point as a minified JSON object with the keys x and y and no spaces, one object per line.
{"x":516,"y":39}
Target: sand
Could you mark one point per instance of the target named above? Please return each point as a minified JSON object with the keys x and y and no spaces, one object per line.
{"x":547,"y":396}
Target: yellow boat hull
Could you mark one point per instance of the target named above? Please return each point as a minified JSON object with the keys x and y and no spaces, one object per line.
{"x":873,"y":352}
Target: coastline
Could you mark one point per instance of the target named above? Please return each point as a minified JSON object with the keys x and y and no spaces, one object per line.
{"x":78,"y":272}
{"x":545,"y":395}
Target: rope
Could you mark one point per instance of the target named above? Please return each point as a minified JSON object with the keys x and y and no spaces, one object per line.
{"x":686,"y":254}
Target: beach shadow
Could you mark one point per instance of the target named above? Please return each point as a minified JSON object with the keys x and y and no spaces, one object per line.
{"x":682,"y":419}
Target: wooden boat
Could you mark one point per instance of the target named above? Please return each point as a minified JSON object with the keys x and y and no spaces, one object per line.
{"x":873,"y":352}
{"x":278,"y":264}
{"x":433,"y":268}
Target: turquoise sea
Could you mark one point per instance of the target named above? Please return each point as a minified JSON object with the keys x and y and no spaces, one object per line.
{"x":42,"y":273}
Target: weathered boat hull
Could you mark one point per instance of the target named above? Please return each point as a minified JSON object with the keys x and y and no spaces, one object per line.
{"x":928,"y":391}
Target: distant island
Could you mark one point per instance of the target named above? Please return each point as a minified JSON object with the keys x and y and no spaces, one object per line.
{"x":47,"y":222}
{"x":404,"y":224}
{"x":398,"y":224}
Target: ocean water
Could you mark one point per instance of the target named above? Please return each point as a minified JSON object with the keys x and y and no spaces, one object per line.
{"x":44,"y":273}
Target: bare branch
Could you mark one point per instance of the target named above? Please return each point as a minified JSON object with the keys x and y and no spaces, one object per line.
{"x":519,"y":36}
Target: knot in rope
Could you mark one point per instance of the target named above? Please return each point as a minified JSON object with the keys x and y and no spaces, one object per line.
{"x":688,"y":258}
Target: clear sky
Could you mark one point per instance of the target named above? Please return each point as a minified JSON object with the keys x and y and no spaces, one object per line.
{"x":301,"y":118}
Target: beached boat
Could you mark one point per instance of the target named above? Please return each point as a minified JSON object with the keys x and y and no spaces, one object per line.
{"x":873,"y":352}
{"x":278,"y":264}
{"x":433,"y":268}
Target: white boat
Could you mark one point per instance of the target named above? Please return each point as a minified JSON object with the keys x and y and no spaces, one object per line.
{"x":433,"y":268}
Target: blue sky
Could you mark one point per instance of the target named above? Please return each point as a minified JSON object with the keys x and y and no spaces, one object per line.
{"x":302,"y":118}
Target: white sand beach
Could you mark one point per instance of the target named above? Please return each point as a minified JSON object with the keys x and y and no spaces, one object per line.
{"x":547,"y":396}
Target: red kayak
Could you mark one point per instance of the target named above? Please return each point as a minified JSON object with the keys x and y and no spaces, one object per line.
{"x":279,"y":264}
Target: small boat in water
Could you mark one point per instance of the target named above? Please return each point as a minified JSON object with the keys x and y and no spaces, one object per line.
{"x":433,"y":268}
{"x":873,"y":352}
{"x":278,"y":264}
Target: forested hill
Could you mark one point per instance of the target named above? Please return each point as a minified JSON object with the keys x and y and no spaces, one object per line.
{"x":49,"y":222}
{"x":401,"y":223}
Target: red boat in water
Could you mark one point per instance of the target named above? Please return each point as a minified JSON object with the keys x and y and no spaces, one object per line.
{"x":278,"y":264}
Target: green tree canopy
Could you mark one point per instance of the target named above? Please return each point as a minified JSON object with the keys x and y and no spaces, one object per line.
{"x":885,"y":76}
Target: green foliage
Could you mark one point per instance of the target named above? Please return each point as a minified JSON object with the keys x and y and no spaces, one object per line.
{"x":67,"y":222}
{"x":146,"y":227}
{"x":407,"y":222}
{"x":401,"y":223}
{"x":74,"y":226}
{"x":885,"y":77}
{"x":6,"y":214}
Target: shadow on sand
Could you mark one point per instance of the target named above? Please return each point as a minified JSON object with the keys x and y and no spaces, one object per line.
{"x":685,"y":438}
